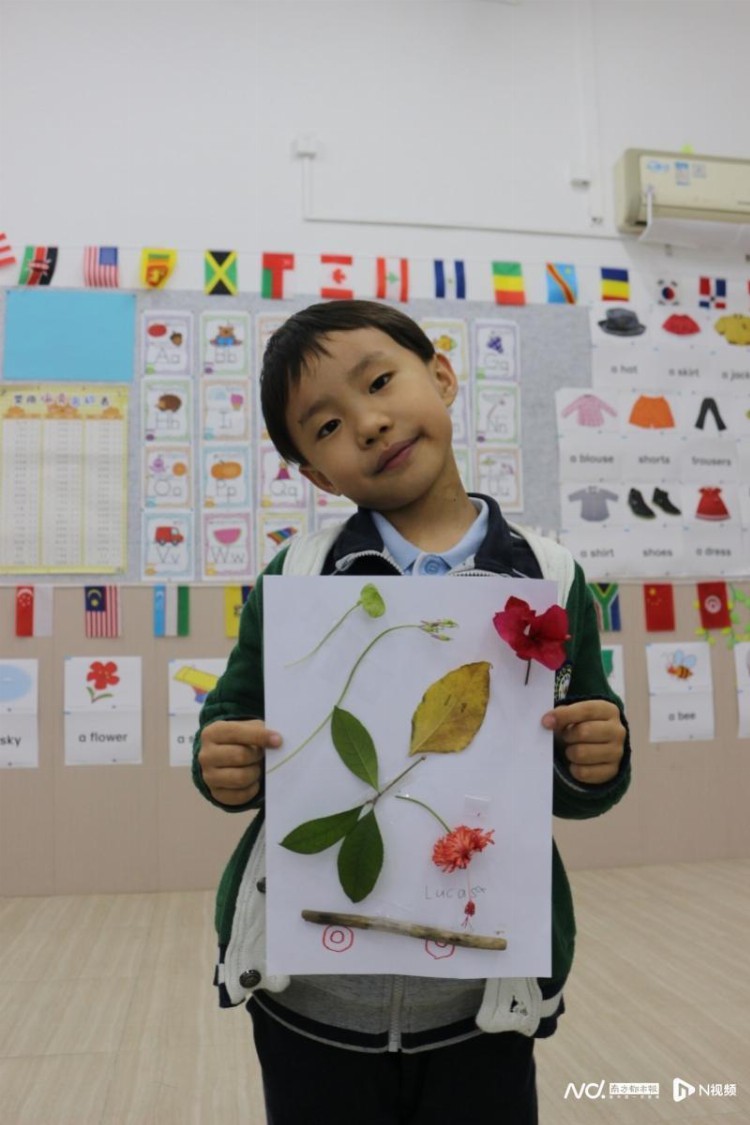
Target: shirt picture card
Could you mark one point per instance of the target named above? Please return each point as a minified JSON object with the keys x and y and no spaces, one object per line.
{"x":423,"y":825}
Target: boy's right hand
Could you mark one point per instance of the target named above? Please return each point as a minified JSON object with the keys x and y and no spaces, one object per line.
{"x":231,"y":758}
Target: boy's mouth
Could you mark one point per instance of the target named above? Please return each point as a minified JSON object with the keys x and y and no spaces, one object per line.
{"x":394,"y":455}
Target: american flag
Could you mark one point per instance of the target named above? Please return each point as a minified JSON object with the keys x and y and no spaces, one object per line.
{"x":100,"y":270}
{"x":7,"y":257}
{"x":102,"y":611}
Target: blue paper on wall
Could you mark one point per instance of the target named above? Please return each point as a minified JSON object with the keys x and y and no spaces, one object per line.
{"x":69,"y":336}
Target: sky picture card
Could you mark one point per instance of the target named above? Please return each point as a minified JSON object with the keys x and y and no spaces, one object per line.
{"x":69,"y":336}
{"x":380,"y":672}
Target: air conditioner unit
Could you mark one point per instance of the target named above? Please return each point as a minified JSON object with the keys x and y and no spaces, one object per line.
{"x":671,"y":185}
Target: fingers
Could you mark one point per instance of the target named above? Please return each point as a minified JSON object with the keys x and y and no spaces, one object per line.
{"x":231,"y":758}
{"x":593,"y":736}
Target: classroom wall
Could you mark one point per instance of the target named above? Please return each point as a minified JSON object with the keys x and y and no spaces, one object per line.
{"x":442,"y":129}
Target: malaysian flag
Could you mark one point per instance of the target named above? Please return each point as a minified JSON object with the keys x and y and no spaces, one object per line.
{"x":102,"y":611}
{"x":100,"y":269}
{"x":7,"y":257}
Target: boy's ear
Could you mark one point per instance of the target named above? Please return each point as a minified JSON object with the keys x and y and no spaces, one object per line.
{"x":318,"y":479}
{"x":446,"y":377}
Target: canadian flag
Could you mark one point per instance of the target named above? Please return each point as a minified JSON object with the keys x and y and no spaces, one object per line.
{"x":392,"y":279}
{"x":335,"y":282}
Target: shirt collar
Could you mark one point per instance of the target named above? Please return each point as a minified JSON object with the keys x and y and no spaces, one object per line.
{"x":405,"y":554}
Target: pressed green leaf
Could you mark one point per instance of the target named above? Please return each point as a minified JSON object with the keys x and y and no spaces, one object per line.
{"x":354,"y":745}
{"x":361,"y":858}
{"x":317,"y":835}
{"x":451,"y":711}
{"x":371,"y":601}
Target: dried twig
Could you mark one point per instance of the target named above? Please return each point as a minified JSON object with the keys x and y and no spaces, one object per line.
{"x":407,"y":929}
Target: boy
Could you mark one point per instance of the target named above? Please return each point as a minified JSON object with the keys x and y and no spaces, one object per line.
{"x":354,"y":393}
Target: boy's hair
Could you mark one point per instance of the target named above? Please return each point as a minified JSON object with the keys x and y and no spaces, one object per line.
{"x":303,"y":336}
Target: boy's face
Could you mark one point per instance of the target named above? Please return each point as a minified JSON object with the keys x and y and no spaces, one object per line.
{"x":371,"y":421}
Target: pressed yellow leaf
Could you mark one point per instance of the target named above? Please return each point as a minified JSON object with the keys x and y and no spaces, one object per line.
{"x":451,"y":711}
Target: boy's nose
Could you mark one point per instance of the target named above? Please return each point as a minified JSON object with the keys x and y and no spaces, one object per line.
{"x":371,"y":426}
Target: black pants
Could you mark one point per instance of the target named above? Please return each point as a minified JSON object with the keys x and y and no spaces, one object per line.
{"x":487,"y":1080}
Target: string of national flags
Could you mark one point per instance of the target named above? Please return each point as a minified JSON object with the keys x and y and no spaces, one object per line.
{"x":345,"y":276}
{"x":102,"y":610}
{"x":719,"y":606}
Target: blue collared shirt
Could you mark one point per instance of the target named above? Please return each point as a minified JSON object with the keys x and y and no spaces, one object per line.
{"x":413,"y":561}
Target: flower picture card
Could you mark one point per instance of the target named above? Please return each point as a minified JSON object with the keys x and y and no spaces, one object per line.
{"x":409,"y":807}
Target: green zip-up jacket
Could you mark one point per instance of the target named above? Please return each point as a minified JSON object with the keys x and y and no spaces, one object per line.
{"x":394,"y":1012}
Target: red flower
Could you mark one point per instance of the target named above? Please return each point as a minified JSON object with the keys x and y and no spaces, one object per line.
{"x":457,"y":848}
{"x":533,"y":636}
{"x":103,"y":674}
{"x":470,"y":909}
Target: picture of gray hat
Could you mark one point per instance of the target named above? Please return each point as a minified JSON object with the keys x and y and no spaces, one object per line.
{"x":622,"y":322}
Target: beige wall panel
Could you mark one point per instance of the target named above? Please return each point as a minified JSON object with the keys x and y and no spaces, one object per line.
{"x":78,"y":829}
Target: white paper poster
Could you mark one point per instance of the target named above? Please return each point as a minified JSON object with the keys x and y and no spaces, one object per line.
{"x":742,"y":666}
{"x":102,"y":710}
{"x":370,"y":691}
{"x":19,"y":731}
{"x":681,"y":691}
{"x":190,"y":681}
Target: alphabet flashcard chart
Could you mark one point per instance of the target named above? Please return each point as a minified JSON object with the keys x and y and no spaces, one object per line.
{"x":167,"y":342}
{"x":225,"y":343}
{"x":63,"y":478}
{"x":363,"y":800}
{"x":103,"y":710}
{"x":680,"y":689}
{"x":19,"y":719}
{"x":190,"y":681}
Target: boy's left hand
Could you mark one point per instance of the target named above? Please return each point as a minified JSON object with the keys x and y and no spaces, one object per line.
{"x":593,"y":736}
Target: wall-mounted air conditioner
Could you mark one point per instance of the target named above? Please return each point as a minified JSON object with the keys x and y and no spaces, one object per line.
{"x":673,"y":191}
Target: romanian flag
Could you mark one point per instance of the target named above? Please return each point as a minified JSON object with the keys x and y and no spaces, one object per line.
{"x":171,"y":611}
{"x":220,"y":273}
{"x":157,"y":266}
{"x":615,"y":284}
{"x":234,"y":599}
{"x":562,"y":283}
{"x":336,"y":282}
{"x":38,"y":265}
{"x":392,"y":279}
{"x":272,"y":280}
{"x":507,"y":281}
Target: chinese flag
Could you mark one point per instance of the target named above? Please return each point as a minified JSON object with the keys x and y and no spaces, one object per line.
{"x":713,"y":605}
{"x":658,"y":602}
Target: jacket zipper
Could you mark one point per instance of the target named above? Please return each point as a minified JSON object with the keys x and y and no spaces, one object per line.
{"x":394,"y":1025}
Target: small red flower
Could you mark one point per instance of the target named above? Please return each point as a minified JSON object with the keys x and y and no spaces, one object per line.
{"x":534,"y":636}
{"x":456,"y":849}
{"x":470,"y":909}
{"x":103,"y":675}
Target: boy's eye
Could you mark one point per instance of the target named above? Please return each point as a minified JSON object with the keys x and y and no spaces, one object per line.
{"x":380,"y":382}
{"x":327,"y":428}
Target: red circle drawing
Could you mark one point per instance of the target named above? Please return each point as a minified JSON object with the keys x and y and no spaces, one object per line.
{"x":338,"y":938}
{"x":439,"y":949}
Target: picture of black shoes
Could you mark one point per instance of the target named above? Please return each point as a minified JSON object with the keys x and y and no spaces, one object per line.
{"x":660,"y":499}
{"x":638,"y":505}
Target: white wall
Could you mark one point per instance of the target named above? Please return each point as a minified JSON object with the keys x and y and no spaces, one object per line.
{"x":172,"y":123}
